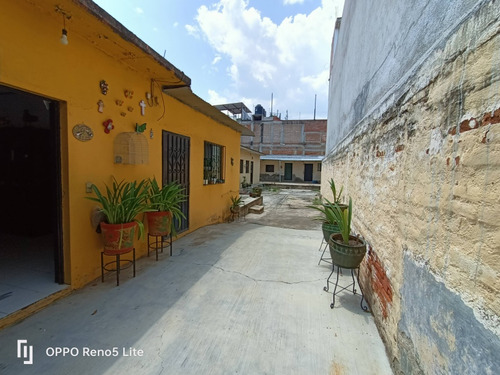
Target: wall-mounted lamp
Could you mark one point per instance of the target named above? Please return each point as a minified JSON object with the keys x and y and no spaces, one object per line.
{"x":64,"y":37}
{"x":66,"y":15}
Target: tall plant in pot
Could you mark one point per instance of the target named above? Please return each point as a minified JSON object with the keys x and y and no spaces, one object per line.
{"x":120,"y":204}
{"x":326,"y":207}
{"x":165,"y":205}
{"x":347,"y":251}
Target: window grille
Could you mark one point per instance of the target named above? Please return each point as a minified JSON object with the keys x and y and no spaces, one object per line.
{"x":213,"y":166}
{"x":269,"y":168}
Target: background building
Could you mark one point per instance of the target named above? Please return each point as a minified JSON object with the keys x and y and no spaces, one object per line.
{"x":292,"y":149}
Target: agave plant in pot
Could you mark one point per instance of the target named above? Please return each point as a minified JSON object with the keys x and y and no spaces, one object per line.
{"x":347,"y":251}
{"x":165,"y":205}
{"x":121,"y":204}
{"x":326,"y":207}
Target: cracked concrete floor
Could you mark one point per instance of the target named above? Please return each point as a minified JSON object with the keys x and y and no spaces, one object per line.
{"x":235,"y":298}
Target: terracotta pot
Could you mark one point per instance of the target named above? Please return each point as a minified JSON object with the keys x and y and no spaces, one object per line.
{"x":118,"y":238}
{"x":159,"y":223}
{"x":346,"y":256}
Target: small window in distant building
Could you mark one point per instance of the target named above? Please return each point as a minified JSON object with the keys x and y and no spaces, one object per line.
{"x":247,"y":166}
{"x":269,"y":168}
{"x":241,"y":166}
{"x":319,"y":167}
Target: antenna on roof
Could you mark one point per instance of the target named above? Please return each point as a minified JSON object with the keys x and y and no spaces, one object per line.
{"x":315,"y":106}
{"x":271,"y":104}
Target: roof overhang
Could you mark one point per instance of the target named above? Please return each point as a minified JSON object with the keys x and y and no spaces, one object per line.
{"x":313,"y":158}
{"x":186,"y":96}
{"x":252,"y":151}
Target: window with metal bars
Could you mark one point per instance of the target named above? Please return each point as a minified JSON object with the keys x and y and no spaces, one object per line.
{"x":213,"y":165}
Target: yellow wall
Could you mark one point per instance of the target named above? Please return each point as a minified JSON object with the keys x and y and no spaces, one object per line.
{"x":32,"y":59}
{"x":249,"y":156}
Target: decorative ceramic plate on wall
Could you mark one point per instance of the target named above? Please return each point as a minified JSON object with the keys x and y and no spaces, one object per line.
{"x":83,"y":132}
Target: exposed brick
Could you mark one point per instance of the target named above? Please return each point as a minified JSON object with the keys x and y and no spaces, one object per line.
{"x":379,"y":283}
{"x":485,"y":138}
{"x":491,"y":118}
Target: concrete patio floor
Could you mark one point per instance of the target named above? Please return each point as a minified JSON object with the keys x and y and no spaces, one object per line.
{"x":238,"y":298}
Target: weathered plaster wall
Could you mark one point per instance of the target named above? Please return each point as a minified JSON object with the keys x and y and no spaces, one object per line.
{"x":414,"y":138}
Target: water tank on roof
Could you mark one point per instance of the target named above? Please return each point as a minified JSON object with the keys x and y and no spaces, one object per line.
{"x":259,"y":110}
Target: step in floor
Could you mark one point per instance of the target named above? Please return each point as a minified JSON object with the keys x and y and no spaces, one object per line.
{"x":256,"y":209}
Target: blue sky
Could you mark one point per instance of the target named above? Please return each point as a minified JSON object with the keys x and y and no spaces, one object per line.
{"x":242,"y":50}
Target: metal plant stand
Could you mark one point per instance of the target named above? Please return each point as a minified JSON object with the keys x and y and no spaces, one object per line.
{"x":324,"y":246}
{"x":119,"y":264}
{"x":353,"y":284}
{"x":157,"y":242}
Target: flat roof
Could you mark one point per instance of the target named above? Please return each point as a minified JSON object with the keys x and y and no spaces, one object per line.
{"x":316,"y":158}
{"x":234,"y":108}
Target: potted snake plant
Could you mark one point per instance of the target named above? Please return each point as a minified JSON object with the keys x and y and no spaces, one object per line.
{"x":347,"y":251}
{"x":120,"y":205}
{"x":165,"y":205}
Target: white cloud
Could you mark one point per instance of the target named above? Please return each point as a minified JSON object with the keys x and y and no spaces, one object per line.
{"x":139,"y":10}
{"x":192,"y":30}
{"x":214,"y":98}
{"x":290,"y":59}
{"x":216,"y":59}
{"x":291,"y":2}
{"x":176,"y":24}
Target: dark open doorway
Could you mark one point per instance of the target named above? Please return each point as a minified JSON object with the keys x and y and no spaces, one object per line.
{"x":30,"y":187}
{"x":308,"y":172}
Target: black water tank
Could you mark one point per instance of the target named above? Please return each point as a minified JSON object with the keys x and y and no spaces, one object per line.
{"x":259,"y":110}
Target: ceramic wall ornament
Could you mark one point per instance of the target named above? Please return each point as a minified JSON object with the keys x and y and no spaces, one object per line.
{"x":140,"y":128}
{"x":151,"y":134}
{"x":100,"y":106}
{"x":123,"y":114}
{"x":104,"y":87}
{"x":108,"y":126}
{"x":119,"y":103}
{"x":83,"y":132}
{"x":143,"y":107}
{"x":130,"y":109}
{"x":129,"y":94}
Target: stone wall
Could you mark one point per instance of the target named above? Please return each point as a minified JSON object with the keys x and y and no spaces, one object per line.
{"x":419,"y":153}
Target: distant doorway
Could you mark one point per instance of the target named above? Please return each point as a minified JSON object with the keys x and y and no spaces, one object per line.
{"x":308,"y":172}
{"x":251,"y":172}
{"x":288,"y":171}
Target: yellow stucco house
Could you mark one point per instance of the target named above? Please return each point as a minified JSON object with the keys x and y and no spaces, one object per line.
{"x":69,"y":107}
